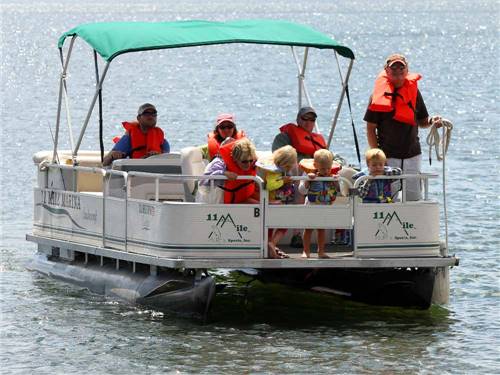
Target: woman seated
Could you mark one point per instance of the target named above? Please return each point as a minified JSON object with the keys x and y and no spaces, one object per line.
{"x":235,"y":158}
{"x":225,"y":127}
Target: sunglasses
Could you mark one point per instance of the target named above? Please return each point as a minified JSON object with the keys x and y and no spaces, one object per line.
{"x":224,"y":127}
{"x":308,"y":118}
{"x":249,"y":161}
{"x":148,"y":113}
{"x":399,"y":68}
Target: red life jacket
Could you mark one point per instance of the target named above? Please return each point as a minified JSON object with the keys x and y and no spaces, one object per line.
{"x":142,"y":143}
{"x":405,"y":100}
{"x":214,"y":144}
{"x":304,"y":142}
{"x":236,"y":191}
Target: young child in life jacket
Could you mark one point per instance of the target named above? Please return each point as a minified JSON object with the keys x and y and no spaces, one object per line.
{"x":276,"y":174}
{"x":373,"y":190}
{"x":318,"y":192}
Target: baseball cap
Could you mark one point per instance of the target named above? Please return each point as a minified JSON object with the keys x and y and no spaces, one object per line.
{"x":145,"y":106}
{"x":395,"y":58}
{"x":222,"y":117}
{"x":305,"y":110}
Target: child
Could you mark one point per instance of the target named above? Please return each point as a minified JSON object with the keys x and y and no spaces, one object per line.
{"x":276,"y":174}
{"x":376,"y":191}
{"x":319,"y":192}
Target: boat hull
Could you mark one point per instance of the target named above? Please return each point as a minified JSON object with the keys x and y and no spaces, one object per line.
{"x":168,"y":290}
{"x":405,"y":287}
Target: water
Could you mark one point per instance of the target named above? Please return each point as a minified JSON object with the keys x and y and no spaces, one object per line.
{"x":50,"y":327}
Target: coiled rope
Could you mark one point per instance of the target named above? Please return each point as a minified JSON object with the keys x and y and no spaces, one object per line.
{"x":440,"y":144}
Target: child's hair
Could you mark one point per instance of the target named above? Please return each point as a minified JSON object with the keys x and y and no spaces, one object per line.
{"x":375,"y":154}
{"x":285,"y":155}
{"x":243,"y":150}
{"x":323,"y":157}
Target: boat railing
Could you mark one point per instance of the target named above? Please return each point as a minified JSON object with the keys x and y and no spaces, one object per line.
{"x":104,"y":173}
{"x":424,"y":177}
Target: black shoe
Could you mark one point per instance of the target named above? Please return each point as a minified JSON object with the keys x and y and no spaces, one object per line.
{"x":296,"y":241}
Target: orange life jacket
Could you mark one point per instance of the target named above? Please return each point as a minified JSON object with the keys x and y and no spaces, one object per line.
{"x":405,"y":100}
{"x":142,"y":143}
{"x":304,"y":142}
{"x":214,"y":144}
{"x":236,"y":191}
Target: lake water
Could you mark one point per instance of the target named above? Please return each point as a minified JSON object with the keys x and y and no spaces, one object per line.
{"x":51,"y":327}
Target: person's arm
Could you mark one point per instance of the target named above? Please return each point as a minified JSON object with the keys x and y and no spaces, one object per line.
{"x":371,"y":134}
{"x":120,"y":150}
{"x":280,"y":140}
{"x":165,"y":146}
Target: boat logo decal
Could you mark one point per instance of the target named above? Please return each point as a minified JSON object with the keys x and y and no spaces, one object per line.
{"x":390,"y":223}
{"x":59,"y":211}
{"x":224,"y":229}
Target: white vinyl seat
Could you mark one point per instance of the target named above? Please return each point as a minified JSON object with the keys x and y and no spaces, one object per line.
{"x":192,"y":163}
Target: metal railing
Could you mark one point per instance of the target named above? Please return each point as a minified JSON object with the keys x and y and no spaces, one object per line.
{"x":421,"y":176}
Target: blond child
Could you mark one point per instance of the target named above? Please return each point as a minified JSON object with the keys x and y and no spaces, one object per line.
{"x":319,"y":192}
{"x":376,"y":191}
{"x":276,"y":175}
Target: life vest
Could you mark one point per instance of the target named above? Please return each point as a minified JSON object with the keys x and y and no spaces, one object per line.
{"x":142,"y":143}
{"x":214,"y":144}
{"x":236,"y":191}
{"x":380,"y":192}
{"x":322,"y":192}
{"x":405,"y":98}
{"x":304,"y":142}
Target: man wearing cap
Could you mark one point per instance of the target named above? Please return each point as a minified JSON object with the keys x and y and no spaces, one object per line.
{"x":301,"y":135}
{"x":395,"y":113}
{"x":142,"y":138}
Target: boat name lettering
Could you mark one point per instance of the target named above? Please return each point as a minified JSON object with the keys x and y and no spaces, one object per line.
{"x":146,"y":209}
{"x":61,"y":199}
{"x":224,"y":229}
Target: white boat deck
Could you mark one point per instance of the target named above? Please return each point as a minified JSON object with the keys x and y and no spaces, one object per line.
{"x":337,"y":260}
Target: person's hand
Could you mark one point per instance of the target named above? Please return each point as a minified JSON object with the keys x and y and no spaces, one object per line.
{"x":230,"y":175}
{"x":437,"y":121}
{"x":286,"y":179}
{"x":151,"y":153}
{"x":117,"y":155}
{"x":312,"y":176}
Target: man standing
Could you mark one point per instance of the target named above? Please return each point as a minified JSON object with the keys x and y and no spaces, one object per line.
{"x":142,"y":139}
{"x":395,"y":113}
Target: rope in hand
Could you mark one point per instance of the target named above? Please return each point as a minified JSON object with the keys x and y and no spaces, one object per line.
{"x":433,"y":138}
{"x":441,"y":147}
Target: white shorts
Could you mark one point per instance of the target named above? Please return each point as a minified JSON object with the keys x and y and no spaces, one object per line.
{"x":409,"y":166}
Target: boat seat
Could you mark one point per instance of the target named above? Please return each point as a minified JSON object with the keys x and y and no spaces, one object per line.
{"x":192,"y":163}
{"x":145,"y":187}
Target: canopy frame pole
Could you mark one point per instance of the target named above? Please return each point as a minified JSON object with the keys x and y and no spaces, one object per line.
{"x":59,"y":101}
{"x":303,"y":92}
{"x":101,"y":142}
{"x":341,"y":99}
{"x":66,"y":104}
{"x":91,"y":108}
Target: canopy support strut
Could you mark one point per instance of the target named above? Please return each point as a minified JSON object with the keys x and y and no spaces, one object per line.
{"x":101,"y":142}
{"x":91,"y":108}
{"x":342,"y":94}
{"x":59,"y":102}
{"x":303,"y":92}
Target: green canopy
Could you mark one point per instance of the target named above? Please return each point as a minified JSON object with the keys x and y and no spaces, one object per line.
{"x":111,"y":39}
